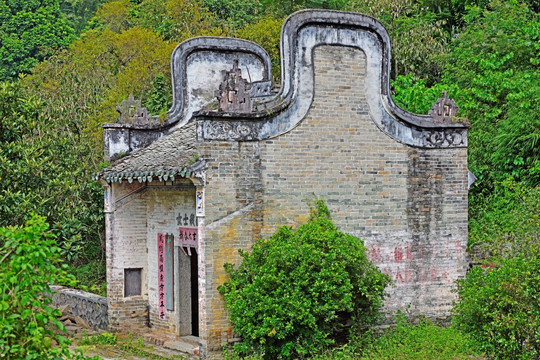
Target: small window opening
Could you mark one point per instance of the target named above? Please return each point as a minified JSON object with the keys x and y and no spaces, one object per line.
{"x":132,"y":282}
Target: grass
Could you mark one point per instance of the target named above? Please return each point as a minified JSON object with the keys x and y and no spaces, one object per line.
{"x":128,"y":344}
{"x":405,"y":341}
{"x":424,"y":340}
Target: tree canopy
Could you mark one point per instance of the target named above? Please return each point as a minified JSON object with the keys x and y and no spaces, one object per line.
{"x":30,"y":31}
{"x":82,"y":57}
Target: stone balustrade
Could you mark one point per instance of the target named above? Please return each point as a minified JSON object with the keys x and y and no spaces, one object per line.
{"x":90,"y":307}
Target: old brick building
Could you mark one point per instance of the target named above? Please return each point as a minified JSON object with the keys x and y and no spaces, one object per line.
{"x":235,"y":160}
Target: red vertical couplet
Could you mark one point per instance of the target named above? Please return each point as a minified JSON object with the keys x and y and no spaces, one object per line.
{"x":161,"y":277}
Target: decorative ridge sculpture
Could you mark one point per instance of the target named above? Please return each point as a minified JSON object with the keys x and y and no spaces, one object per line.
{"x":131,"y":112}
{"x":199,"y":64}
{"x":233,"y":94}
{"x":444,"y":110}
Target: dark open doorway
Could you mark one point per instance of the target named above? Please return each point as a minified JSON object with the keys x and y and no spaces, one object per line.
{"x":194,"y":293}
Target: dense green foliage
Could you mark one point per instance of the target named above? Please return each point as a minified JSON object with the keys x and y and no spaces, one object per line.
{"x":29,"y":263}
{"x":82,"y":57}
{"x":511,"y":225}
{"x":405,"y":341}
{"x":494,"y":63}
{"x":236,"y":13}
{"x":266,"y":32}
{"x":293,"y":293}
{"x":79,"y":12}
{"x":30,"y":31}
{"x":415,"y":96}
{"x":499,"y":307}
{"x":491,"y":70}
{"x":41,"y":172}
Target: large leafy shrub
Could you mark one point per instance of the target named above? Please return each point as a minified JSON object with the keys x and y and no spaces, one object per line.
{"x":44,"y":170}
{"x":29,"y":263}
{"x":295,"y":291}
{"x":510,"y":226}
{"x":423,"y":340}
{"x":29,"y":33}
{"x":499,"y":306}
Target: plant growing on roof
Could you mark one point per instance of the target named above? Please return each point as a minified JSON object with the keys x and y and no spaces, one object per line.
{"x":297,"y":291}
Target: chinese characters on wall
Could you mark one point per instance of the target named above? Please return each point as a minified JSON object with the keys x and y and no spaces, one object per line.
{"x":187,"y":238}
{"x":161,"y":277}
{"x":187,"y":232}
{"x":186,"y":219}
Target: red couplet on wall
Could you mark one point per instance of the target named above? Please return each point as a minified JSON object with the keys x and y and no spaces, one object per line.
{"x":161,"y":277}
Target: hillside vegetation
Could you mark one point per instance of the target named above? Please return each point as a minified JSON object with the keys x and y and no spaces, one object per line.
{"x":66,"y":64}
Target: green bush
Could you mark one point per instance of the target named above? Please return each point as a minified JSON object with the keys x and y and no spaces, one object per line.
{"x":406,"y":341}
{"x":510,"y":226}
{"x":294,"y":293}
{"x":499,"y":306}
{"x":424,"y":340}
{"x":415,"y":96}
{"x":29,"y":259}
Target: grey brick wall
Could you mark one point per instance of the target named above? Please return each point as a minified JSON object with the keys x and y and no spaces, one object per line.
{"x":142,"y":211}
{"x":126,"y":248}
{"x":409,"y":204}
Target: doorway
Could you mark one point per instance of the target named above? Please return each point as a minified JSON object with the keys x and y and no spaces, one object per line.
{"x":188,"y":292}
{"x":194,"y":293}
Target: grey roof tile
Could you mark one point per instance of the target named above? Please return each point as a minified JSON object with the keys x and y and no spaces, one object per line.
{"x":170,"y":156}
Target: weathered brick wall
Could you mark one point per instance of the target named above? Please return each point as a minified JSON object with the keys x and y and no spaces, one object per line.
{"x":232,"y":221}
{"x":408,"y":203}
{"x":126,"y":248}
{"x":164,"y":205}
{"x":142,"y":210}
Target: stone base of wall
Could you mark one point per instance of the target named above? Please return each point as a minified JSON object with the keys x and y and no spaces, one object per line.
{"x":128,"y":315}
{"x":88,"y":306}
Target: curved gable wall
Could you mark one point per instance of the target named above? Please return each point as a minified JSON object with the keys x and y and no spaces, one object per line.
{"x":396,"y":179}
{"x":408,"y":203}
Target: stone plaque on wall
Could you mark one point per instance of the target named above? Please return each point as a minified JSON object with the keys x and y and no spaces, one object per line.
{"x":169,"y":271}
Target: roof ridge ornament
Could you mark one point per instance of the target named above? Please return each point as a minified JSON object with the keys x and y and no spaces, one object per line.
{"x":444,"y":110}
{"x":233,"y":94}
{"x":131,"y":112}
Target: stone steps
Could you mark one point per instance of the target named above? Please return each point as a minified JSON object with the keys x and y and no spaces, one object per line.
{"x":187,"y":345}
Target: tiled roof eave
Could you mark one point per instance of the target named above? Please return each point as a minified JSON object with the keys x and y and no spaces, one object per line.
{"x":148,"y":175}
